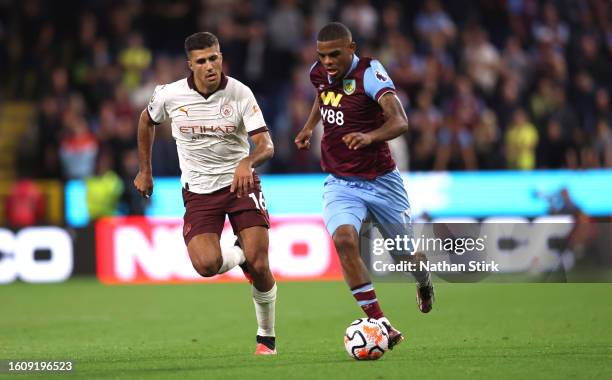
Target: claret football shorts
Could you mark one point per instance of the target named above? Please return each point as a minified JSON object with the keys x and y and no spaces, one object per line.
{"x":205,"y":213}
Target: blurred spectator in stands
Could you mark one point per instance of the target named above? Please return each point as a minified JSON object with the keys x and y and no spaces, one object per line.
{"x":549,"y":62}
{"x":565,"y":115}
{"x":515,"y":63}
{"x":256,"y":55}
{"x":602,"y":145}
{"x":422,"y":152}
{"x":120,"y":19}
{"x":286,"y":23}
{"x":104,"y":188}
{"x":405,"y":66}
{"x":362,"y":19}
{"x":541,"y":102}
{"x":521,"y":140}
{"x":588,"y":157}
{"x":104,"y":125}
{"x":487,"y":142}
{"x":439,"y":65}
{"x":3,"y":52}
{"x":104,"y":73}
{"x":434,"y":21}
{"x":400,"y":152}
{"x":78,"y":148}
{"x":603,"y":108}
{"x":465,"y":106}
{"x":135,"y":58}
{"x":455,"y":136}
{"x":589,"y":59}
{"x":393,"y":20}
{"x":122,"y":141}
{"x":425,"y":122}
{"x":481,"y":60}
{"x":121,"y":103}
{"x":300,"y":105}
{"x":550,"y":29}
{"x":59,"y":88}
{"x":285,"y":33}
{"x":49,"y":127}
{"x":233,"y":32}
{"x":521,"y":14}
{"x":553,"y":146}
{"x":584,"y":19}
{"x":24,"y":204}
{"x":163,"y":72}
{"x":164,"y":156}
{"x":583,"y":100}
{"x":608,"y":38}
{"x":508,"y":101}
{"x":132,"y":202}
{"x":83,"y":70}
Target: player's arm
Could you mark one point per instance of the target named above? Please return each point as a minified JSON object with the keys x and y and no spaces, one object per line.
{"x":396,"y":124}
{"x":302,"y":140}
{"x":146,"y":135}
{"x":262,"y":152}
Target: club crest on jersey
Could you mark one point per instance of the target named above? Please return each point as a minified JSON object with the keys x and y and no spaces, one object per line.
{"x":380,"y":76}
{"x":227,"y":110}
{"x":349,"y":86}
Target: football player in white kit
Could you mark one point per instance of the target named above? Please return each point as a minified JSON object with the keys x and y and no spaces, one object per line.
{"x":212,"y":116}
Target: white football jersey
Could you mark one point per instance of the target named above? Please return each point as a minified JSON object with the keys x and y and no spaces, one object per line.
{"x":211,"y":132}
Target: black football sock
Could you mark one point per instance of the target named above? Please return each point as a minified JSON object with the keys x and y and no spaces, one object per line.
{"x":268,"y":341}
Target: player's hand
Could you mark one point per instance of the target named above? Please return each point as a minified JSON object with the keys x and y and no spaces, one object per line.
{"x":243,"y":178}
{"x":302,"y":140}
{"x":357,"y":140}
{"x":144,"y":184}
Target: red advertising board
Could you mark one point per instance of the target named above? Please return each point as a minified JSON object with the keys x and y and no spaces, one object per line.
{"x":144,"y":250}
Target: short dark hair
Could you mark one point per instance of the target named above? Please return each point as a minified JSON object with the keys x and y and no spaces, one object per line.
{"x":334,"y":31}
{"x":200,"y":40}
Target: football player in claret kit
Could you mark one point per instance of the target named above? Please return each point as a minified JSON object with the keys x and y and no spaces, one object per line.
{"x":358,"y":107}
{"x":212,"y":116}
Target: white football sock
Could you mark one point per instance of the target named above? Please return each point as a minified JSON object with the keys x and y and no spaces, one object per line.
{"x":231,"y":257}
{"x":265,"y":309}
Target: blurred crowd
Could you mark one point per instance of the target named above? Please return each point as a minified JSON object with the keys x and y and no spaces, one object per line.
{"x":486,"y":84}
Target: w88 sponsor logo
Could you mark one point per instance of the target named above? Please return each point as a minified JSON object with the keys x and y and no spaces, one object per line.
{"x":332,"y":116}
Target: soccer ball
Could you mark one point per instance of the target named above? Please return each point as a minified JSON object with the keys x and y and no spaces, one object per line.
{"x":366,"y":339}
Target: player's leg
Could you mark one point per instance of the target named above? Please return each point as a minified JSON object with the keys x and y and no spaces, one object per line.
{"x":255,"y":242}
{"x":205,"y":254}
{"x":203,"y":224}
{"x":250,"y":222}
{"x":346,"y":241}
{"x":343,"y":213}
{"x":390,"y":208}
{"x":232,"y":256}
{"x":207,"y":257}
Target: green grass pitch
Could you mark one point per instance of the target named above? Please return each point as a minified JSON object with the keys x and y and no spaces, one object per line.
{"x":514,"y":331}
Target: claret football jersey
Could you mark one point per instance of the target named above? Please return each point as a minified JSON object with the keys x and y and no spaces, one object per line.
{"x":211,"y":132}
{"x":351,"y":105}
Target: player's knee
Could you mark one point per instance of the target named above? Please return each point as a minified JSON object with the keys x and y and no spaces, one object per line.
{"x":346,"y":242}
{"x":208,"y":267}
{"x":260,"y":265}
